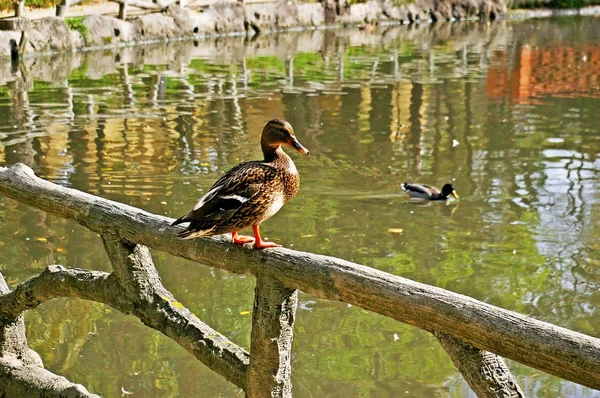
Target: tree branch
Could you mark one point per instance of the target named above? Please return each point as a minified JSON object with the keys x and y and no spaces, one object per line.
{"x":486,"y":373}
{"x":18,"y":380}
{"x":156,"y":307}
{"x":22,"y":372}
{"x":57,"y":281}
{"x":138,"y":292}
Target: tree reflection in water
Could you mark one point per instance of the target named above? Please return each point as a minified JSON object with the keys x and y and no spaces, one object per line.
{"x":507,"y":119}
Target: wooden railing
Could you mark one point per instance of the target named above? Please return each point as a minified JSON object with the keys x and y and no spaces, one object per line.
{"x":473,"y":333}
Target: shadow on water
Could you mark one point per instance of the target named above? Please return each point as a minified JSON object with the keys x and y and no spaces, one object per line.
{"x":497,"y":109}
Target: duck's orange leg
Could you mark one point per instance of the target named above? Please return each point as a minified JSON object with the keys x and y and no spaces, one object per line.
{"x":240,"y":239}
{"x":258,"y":242}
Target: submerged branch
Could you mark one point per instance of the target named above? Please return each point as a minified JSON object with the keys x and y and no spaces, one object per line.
{"x":559,"y":351}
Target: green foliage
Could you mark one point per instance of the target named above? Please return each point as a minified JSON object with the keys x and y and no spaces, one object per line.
{"x":77,"y":24}
{"x":572,"y":3}
{"x":531,"y":4}
{"x":8,"y":4}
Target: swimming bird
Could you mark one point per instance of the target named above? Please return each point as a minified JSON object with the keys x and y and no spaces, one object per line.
{"x":249,"y":193}
{"x":423,"y":191}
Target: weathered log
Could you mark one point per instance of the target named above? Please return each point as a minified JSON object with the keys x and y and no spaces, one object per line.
{"x":22,"y":372}
{"x":139,"y":293}
{"x":485,"y":372}
{"x":270,"y":371}
{"x":559,"y":351}
{"x":156,"y":307}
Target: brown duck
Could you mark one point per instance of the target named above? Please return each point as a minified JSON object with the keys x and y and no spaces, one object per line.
{"x":250,"y":192}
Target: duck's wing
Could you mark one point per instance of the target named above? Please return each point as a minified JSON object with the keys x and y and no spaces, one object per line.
{"x":230,"y":192}
{"x":420,"y":190}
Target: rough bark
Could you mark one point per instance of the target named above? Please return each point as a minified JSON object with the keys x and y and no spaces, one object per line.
{"x":485,"y":372}
{"x":559,"y":351}
{"x":22,"y":372}
{"x":134,"y":288}
{"x":270,"y":371}
{"x":156,"y":307}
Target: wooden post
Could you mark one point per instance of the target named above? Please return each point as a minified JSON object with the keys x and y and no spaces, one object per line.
{"x":122,"y":10}
{"x":61,"y":9}
{"x":19,"y":7}
{"x":269,"y":374}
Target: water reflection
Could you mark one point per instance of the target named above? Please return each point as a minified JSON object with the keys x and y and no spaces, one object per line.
{"x":482,"y":106}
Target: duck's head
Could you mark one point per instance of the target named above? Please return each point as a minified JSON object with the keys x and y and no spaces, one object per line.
{"x":278,"y":132}
{"x":448,"y":190}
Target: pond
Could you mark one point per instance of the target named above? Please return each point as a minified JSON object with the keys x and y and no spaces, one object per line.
{"x":507,"y":112}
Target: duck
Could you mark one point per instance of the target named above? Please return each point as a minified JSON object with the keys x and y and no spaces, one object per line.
{"x":368,"y":27}
{"x":423,"y":191}
{"x":250,"y":192}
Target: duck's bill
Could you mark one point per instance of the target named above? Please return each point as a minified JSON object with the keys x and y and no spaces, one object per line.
{"x":298,"y":146}
{"x":455,"y":194}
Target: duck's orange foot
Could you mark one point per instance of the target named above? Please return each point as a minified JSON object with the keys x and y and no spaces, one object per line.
{"x":265,"y":245}
{"x":240,"y":239}
{"x":258,"y":242}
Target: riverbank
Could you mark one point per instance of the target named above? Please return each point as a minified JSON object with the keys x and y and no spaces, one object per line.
{"x":96,"y":26}
{"x":100,"y":29}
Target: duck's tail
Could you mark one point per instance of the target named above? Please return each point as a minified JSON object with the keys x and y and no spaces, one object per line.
{"x":179,"y":221}
{"x":195,"y":231}
{"x":187,"y":234}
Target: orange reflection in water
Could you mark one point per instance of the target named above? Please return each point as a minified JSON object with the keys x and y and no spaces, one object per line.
{"x":561,"y":71}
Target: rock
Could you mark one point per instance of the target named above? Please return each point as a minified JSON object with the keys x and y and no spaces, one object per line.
{"x":156,"y":26}
{"x":5,"y":39}
{"x":103,"y":31}
{"x":183,"y":20}
{"x":311,"y":14}
{"x":229,"y":16}
{"x":77,"y":39}
{"x":419,"y":12}
{"x":15,"y":23}
{"x":221,"y":17}
{"x":334,"y":9}
{"x":359,"y":13}
{"x":396,"y":13}
{"x":50,"y":35}
{"x":272,"y":16}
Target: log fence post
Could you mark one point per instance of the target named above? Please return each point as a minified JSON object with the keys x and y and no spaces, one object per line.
{"x":122,"y":10}
{"x":270,"y":369}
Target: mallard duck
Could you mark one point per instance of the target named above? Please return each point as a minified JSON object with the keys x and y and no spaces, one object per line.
{"x":250,"y":192}
{"x":423,"y":191}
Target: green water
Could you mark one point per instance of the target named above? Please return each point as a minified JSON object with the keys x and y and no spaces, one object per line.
{"x":511,"y":122}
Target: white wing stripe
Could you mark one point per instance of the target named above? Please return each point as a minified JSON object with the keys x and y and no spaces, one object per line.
{"x":206,"y":198}
{"x":239,"y":198}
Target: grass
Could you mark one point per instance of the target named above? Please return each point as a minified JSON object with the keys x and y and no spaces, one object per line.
{"x":76,"y":23}
{"x":6,"y":5}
